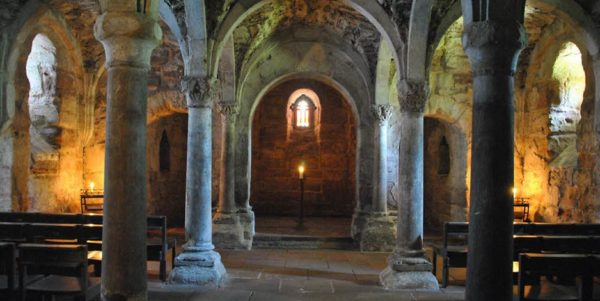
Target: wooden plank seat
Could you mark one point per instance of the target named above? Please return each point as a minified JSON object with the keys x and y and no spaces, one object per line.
{"x":82,"y":229}
{"x":8,"y":271}
{"x":453,"y":248}
{"x":64,"y":268}
{"x":533,"y":266}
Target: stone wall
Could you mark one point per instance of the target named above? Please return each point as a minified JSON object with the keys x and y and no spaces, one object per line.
{"x":449,"y":110}
{"x":554,"y":150}
{"x":167,"y":141}
{"x":329,"y":156}
{"x":166,"y":112}
{"x":444,"y":172}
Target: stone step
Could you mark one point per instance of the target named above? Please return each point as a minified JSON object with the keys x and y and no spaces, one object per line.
{"x":283,"y":241}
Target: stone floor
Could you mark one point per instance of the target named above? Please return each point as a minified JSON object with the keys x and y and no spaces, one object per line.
{"x":307,"y":274}
{"x":289,"y":274}
{"x":300,"y":275}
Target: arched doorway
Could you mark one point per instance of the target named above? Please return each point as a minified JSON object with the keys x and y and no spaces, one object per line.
{"x":308,"y":123}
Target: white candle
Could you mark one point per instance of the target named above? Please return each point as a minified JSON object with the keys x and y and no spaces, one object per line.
{"x":301,"y":172}
{"x":91,"y":186}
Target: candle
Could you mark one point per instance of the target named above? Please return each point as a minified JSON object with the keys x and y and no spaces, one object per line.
{"x":301,"y":172}
{"x":514,"y":191}
{"x":91,"y":186}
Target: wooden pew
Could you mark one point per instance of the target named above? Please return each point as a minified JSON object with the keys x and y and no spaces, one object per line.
{"x":532,"y":266}
{"x":8,"y":271}
{"x":453,"y":248}
{"x":64,"y":267}
{"x":82,"y":229}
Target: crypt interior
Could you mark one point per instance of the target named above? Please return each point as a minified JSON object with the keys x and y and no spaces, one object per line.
{"x":265,"y":127}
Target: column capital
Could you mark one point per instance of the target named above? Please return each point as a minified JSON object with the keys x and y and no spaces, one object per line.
{"x":229,"y":110}
{"x":493,"y":46}
{"x":382,"y":113}
{"x":128,"y":38}
{"x":412,"y":95}
{"x":199,"y":91}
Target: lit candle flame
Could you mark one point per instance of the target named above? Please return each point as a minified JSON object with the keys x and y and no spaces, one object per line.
{"x":514,"y":191}
{"x":91,"y":186}
{"x":301,"y":171}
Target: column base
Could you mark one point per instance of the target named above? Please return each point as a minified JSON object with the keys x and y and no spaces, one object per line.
{"x":203,"y":269}
{"x":408,"y":273}
{"x":229,"y":233}
{"x":359,"y":221}
{"x":378,"y":234}
{"x":247,"y":222}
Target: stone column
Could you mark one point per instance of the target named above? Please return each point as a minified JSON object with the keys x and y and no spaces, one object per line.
{"x":379,"y":232}
{"x":128,"y":39}
{"x":228,"y":232}
{"x":493,"y":48}
{"x":407,"y":266}
{"x":198,"y":264}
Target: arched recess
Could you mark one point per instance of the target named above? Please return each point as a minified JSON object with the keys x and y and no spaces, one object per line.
{"x":325,"y":147}
{"x":62,"y":191}
{"x":450,"y":98}
{"x":556,"y":159}
{"x":587,"y":37}
{"x":445,"y":171}
{"x":305,"y":59}
{"x":372,"y":10}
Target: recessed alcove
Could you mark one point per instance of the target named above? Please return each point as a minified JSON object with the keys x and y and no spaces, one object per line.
{"x":325,"y":143}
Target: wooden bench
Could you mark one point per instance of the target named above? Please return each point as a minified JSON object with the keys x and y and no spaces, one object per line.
{"x":64,"y":268}
{"x":532,"y":266}
{"x":453,"y":248}
{"x":82,"y":229}
{"x":8,"y":271}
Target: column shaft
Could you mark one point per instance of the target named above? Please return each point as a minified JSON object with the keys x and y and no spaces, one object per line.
{"x":493,"y":48}
{"x":232,"y":231}
{"x":124,"y":233}
{"x":198,"y":264}
{"x":198,"y":212}
{"x":382,"y":114}
{"x":227,"y":180}
{"x":128,"y":39}
{"x":407,"y":268}
{"x":410,"y":184}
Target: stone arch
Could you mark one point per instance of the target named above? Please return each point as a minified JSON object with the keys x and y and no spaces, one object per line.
{"x":266,"y":71}
{"x":553,"y":191}
{"x":304,"y":146}
{"x":68,"y":89}
{"x":588,"y":37}
{"x":168,"y":17}
{"x":372,"y":10}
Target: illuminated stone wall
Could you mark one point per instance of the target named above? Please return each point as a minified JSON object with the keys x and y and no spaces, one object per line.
{"x":449,"y":111}
{"x":330,"y":161}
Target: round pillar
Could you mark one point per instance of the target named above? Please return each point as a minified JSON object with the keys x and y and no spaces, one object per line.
{"x":228,"y":230}
{"x":407,"y":267}
{"x":379,"y":232}
{"x":128,"y":39}
{"x":493,"y":48}
{"x":198,"y":264}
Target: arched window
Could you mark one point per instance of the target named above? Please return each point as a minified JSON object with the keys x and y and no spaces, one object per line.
{"x":164,"y":153}
{"x":303,"y":112}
